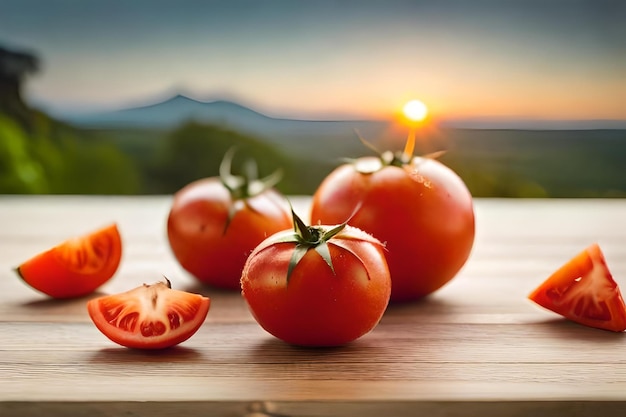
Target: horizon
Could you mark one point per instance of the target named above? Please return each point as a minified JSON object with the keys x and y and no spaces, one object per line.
{"x":523,"y":60}
{"x":482,"y":121}
{"x":124,"y":115}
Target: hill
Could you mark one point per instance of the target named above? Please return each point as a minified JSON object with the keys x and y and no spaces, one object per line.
{"x":40,"y":155}
{"x":539,"y":163}
{"x":324,"y":141}
{"x":125,"y":152}
{"x":493,"y":163}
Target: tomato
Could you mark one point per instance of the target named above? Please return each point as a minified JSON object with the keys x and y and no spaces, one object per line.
{"x":583,"y":290}
{"x":149,"y":317}
{"x":214,"y":223}
{"x":317,"y":286}
{"x":419,"y":207}
{"x":75,"y":267}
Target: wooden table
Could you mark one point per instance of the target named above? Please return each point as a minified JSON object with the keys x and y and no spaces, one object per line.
{"x":476,"y":347}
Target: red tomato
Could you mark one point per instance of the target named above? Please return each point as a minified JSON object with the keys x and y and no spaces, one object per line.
{"x":584,"y":291}
{"x":212,"y":226}
{"x":75,"y":267}
{"x":320,"y":286}
{"x":149,"y":317}
{"x":420,"y":209}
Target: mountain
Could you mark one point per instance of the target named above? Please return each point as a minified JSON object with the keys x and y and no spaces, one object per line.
{"x":317,"y":140}
{"x":179,"y":109}
{"x":496,"y":157}
{"x":325,"y":140}
{"x":170,"y":112}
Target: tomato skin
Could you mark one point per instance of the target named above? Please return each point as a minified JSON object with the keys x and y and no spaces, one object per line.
{"x":422,"y":211}
{"x":206,"y":244}
{"x":75,"y":267}
{"x":317,"y":307}
{"x":149,"y":317}
{"x":584,"y":291}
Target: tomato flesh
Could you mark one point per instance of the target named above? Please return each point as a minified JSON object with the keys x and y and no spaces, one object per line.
{"x":77,"y":266}
{"x":584,"y":291}
{"x":150,"y":316}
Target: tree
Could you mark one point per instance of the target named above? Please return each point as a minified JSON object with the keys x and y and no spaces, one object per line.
{"x":14,"y":67}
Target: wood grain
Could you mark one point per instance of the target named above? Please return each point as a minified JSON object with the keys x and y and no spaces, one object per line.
{"x":477,"y":346}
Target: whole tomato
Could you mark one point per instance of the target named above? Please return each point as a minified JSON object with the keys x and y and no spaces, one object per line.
{"x":319,"y":285}
{"x":214,"y":223}
{"x":417,"y":206}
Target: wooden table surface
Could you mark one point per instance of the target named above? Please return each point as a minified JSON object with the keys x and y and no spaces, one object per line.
{"x":477,"y":346}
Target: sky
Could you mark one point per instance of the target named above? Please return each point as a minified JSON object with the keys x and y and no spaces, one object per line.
{"x":541,"y":59}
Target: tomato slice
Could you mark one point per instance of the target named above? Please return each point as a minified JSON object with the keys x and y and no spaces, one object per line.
{"x":149,"y":317}
{"x":77,"y":266}
{"x":584,"y":291}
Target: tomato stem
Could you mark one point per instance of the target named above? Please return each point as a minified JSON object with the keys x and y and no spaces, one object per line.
{"x":242,"y":187}
{"x":308,"y":237}
{"x":409,"y":147}
{"x":390,"y":158}
{"x":168,"y":282}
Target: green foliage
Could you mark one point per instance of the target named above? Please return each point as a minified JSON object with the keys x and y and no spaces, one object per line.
{"x":47,"y":157}
{"x":20,"y":171}
{"x":517,"y":163}
{"x":194,"y":151}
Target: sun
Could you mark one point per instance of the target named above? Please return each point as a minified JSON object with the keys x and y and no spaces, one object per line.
{"x":415,"y":110}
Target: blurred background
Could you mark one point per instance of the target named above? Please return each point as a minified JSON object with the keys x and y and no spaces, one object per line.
{"x":527,"y":98}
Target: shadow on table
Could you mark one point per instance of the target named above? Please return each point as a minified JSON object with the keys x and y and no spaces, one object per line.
{"x":563,"y":328}
{"x":121,"y":355}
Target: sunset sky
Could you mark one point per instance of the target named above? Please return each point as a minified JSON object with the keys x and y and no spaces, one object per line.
{"x":548,"y":59}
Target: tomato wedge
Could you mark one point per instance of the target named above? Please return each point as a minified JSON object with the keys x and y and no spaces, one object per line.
{"x":584,"y":291}
{"x":149,"y":317}
{"x":77,"y":266}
